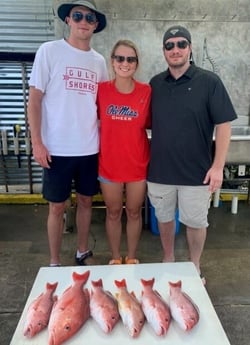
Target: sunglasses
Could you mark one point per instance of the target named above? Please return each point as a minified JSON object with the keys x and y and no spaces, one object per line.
{"x":180,"y":44}
{"x":129,"y":59}
{"x":89,"y":17}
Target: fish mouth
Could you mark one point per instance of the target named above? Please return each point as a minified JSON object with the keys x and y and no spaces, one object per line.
{"x":107,"y":328}
{"x":134,"y":332}
{"x":28,"y":332}
{"x":52,"y":339}
{"x":162,"y":331}
{"x":190,"y":326}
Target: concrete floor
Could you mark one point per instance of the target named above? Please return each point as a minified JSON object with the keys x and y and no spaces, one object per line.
{"x":225,"y":262}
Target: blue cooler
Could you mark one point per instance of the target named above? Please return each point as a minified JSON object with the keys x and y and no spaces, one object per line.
{"x":154,"y":223}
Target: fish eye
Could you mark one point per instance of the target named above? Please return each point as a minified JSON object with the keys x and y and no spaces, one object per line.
{"x":67,"y":327}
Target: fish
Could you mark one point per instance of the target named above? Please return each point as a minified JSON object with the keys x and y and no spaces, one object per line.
{"x":130,"y":309}
{"x":39,"y":311}
{"x":183,"y":310}
{"x":70,"y":311}
{"x":156,"y":310}
{"x":103,"y":307}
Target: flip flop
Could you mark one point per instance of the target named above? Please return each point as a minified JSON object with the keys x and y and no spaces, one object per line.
{"x":131,"y":261}
{"x":115,"y":261}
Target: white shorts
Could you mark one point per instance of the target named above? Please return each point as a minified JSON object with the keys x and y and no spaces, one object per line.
{"x":192,"y":201}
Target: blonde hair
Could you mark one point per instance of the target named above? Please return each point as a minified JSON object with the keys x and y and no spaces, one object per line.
{"x":126,"y":43}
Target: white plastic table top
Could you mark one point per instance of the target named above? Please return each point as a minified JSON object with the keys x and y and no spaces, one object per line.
{"x":208,"y":331}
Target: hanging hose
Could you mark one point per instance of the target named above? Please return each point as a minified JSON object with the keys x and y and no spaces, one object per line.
{"x":206,"y":56}
{"x":27,"y":132}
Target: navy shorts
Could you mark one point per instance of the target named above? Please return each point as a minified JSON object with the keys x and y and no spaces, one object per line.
{"x":65,"y":173}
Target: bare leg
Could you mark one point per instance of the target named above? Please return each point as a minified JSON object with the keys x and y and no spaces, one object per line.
{"x":135,"y":195}
{"x":55,"y":230}
{"x":113,"y":198}
{"x":83,"y":221}
{"x":167,"y":234}
{"x":196,"y":239}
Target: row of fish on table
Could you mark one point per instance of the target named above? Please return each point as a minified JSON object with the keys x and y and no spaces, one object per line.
{"x":65,"y":315}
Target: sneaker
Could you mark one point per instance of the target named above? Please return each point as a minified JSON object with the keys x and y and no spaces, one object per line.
{"x":81,"y":261}
{"x":55,"y":265}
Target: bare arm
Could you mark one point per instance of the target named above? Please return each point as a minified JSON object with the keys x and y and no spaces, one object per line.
{"x":40,"y":152}
{"x":214,"y":175}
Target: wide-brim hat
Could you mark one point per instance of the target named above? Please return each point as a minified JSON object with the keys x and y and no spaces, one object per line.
{"x":64,"y":9}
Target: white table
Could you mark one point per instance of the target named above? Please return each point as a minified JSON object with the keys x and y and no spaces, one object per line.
{"x":208,"y":331}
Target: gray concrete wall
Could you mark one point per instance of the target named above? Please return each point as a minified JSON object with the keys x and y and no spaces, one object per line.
{"x":220,"y":35}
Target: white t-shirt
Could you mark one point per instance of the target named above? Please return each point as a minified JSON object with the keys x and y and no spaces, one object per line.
{"x":69,"y":79}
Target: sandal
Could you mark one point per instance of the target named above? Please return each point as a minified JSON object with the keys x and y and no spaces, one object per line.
{"x":115,"y":261}
{"x":203,"y":279}
{"x":131,"y":261}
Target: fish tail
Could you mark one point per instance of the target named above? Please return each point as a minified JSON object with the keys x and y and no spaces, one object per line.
{"x":81,"y":277}
{"x":120,"y":283}
{"x":149,"y":282}
{"x":97,"y":283}
{"x":177,"y":284}
{"x":52,"y":287}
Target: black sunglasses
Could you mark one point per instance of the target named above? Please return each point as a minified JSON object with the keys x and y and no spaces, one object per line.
{"x":89,"y":17}
{"x":129,"y":59}
{"x":180,"y":44}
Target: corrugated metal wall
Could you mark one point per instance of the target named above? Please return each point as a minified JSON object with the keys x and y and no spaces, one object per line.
{"x":25,"y":24}
{"x":17,"y":167}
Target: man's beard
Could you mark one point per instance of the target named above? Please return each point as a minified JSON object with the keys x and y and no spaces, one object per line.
{"x":177,"y":65}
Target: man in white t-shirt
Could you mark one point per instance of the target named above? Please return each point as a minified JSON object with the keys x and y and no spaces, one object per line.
{"x":63,"y":121}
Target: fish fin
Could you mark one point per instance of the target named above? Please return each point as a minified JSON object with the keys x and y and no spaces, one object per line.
{"x":87,"y":294}
{"x":191,"y":301}
{"x":55,"y":302}
{"x":109,"y":294}
{"x":97,"y":283}
{"x":149,"y":282}
{"x":133,"y":295}
{"x":121,"y":283}
{"x":81,"y":277}
{"x":36,"y":302}
{"x":157,"y":293}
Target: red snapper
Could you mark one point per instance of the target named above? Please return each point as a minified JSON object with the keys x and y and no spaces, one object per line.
{"x":130,"y":309}
{"x":183,"y":309}
{"x":39,"y":311}
{"x":155,"y":308}
{"x":103,"y":307}
{"x":70,"y":311}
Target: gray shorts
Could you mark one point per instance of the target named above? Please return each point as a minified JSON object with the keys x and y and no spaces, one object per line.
{"x":192,"y":201}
